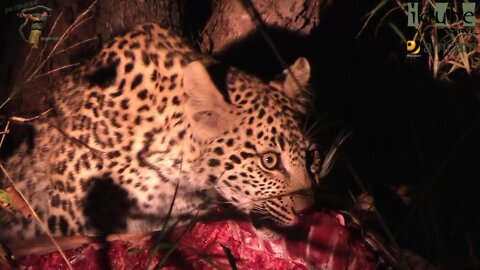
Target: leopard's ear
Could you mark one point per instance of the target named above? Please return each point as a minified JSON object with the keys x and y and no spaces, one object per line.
{"x":206,"y":109}
{"x":294,"y":84}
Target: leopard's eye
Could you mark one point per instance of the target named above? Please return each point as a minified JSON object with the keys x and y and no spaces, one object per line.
{"x":270,"y":160}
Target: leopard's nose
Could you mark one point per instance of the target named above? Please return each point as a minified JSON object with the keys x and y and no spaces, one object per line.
{"x":302,"y":205}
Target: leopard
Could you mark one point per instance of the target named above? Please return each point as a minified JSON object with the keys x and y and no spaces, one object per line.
{"x":149,"y":129}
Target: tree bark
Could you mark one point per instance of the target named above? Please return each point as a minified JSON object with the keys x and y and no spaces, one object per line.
{"x":231,"y":22}
{"x":115,"y":16}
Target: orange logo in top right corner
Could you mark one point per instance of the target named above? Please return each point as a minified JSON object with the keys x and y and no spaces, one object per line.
{"x":413,"y":49}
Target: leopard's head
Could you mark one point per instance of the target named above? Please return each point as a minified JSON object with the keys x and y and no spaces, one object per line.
{"x":251,"y":140}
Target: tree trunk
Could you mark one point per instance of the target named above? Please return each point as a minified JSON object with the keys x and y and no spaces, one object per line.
{"x":231,"y":21}
{"x":116,"y":16}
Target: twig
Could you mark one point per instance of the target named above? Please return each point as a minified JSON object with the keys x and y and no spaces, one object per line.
{"x":4,"y":133}
{"x":75,"y":45}
{"x":77,"y":141}
{"x":23,"y":120}
{"x":55,"y":70}
{"x":372,"y":13}
{"x":40,"y":223}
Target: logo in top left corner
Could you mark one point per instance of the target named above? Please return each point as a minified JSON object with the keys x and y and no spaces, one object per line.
{"x":37,"y":16}
{"x":413,"y":48}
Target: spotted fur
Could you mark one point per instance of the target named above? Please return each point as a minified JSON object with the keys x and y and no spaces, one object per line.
{"x":147,"y":118}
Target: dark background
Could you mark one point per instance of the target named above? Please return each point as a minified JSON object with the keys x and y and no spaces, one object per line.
{"x":407,"y":128}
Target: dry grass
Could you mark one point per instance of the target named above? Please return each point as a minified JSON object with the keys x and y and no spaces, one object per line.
{"x":446,"y":49}
{"x":37,"y":61}
{"x":450,"y":50}
{"x":29,"y":73}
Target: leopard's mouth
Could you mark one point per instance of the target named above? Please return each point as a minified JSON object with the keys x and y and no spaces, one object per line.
{"x":270,"y":217}
{"x":265,"y":213}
